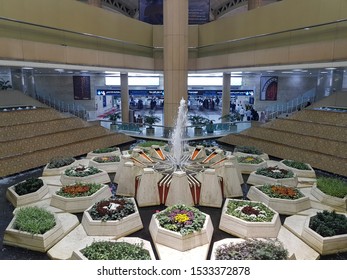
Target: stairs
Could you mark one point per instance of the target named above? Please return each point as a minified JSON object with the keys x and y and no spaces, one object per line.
{"x":31,"y":138}
{"x":312,"y":136}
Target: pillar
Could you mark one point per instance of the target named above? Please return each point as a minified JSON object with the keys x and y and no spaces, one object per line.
{"x":226,"y":95}
{"x":175,"y":57}
{"x":253,"y":4}
{"x":124,"y":97}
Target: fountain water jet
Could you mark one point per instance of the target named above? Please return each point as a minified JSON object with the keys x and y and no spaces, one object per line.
{"x":178,"y":133}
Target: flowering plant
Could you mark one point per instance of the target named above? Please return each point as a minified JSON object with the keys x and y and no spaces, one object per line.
{"x":249,"y":211}
{"x":79,"y":190}
{"x":107,"y":159}
{"x":275,"y":172}
{"x":181,"y":218}
{"x":282,"y":192}
{"x":81,"y":171}
{"x":249,"y":160}
{"x":112,"y":209}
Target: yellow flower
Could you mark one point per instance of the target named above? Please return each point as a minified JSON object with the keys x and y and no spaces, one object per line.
{"x":181,"y":218}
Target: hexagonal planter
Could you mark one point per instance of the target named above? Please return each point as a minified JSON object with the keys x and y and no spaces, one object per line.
{"x":77,"y":255}
{"x":300,"y":172}
{"x":35,"y":242}
{"x":109,"y":167}
{"x":20,"y":200}
{"x":98,"y":178}
{"x":282,"y":206}
{"x":245,"y":229}
{"x":328,"y":199}
{"x":240,"y":154}
{"x":55,"y":171}
{"x":180,"y":242}
{"x":324,"y":245}
{"x":248,"y":168}
{"x":79,"y":204}
{"x":116,"y":228}
{"x":91,"y":154}
{"x":256,"y":179}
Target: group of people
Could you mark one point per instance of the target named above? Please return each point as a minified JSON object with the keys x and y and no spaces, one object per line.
{"x":246,"y":112}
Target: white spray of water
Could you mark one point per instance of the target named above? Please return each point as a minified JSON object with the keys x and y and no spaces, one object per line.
{"x":178,"y":132}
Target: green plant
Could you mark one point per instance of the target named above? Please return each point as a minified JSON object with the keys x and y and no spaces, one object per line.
{"x":249,"y":211}
{"x":232,"y":117}
{"x":79,"y":190}
{"x":252,"y":249}
{"x":248,"y":150}
{"x":150,"y":119}
{"x":28,"y":186}
{"x":108,"y":250}
{"x":198,"y":121}
{"x":60,"y":162}
{"x":296,"y":164}
{"x":148,"y":144}
{"x":332,"y":186}
{"x":112,"y":209}
{"x":114,"y":117}
{"x":282,"y":192}
{"x":181,"y":218}
{"x":275,"y":172}
{"x":250,"y":160}
{"x":105,"y":150}
{"x":328,"y":223}
{"x":107,"y":159}
{"x":81,"y":171}
{"x":4,"y":84}
{"x":34,"y":220}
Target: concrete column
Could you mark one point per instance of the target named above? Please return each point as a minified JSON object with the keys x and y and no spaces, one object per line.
{"x":226,"y":95}
{"x":253,"y":4}
{"x":96,"y":3}
{"x":175,"y":57}
{"x":124,"y":96}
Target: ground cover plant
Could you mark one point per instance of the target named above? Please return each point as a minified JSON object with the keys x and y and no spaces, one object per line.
{"x":328,"y":223}
{"x":81,"y":171}
{"x":250,"y":211}
{"x":332,"y":186}
{"x":279,"y":191}
{"x":28,"y":186}
{"x":60,"y":162}
{"x":296,"y":164}
{"x":248,"y":150}
{"x":79,"y":190}
{"x":275,"y":172}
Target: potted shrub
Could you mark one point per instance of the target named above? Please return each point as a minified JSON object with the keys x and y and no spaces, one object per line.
{"x":231,"y":119}
{"x":249,"y":219}
{"x":331,"y":191}
{"x":123,"y":249}
{"x":250,"y":249}
{"x":250,"y":163}
{"x":82,"y":173}
{"x":108,"y":163}
{"x":181,"y":227}
{"x":33,"y":228}
{"x":107,"y":151}
{"x":198,"y":122}
{"x":285,"y":200}
{"x":273,"y":175}
{"x":57,"y":166}
{"x":28,"y":191}
{"x":78,"y":197}
{"x":114,"y":117}
{"x":326,"y":232}
{"x":249,"y":150}
{"x":301,"y":169}
{"x":149,"y":120}
{"x":117,"y":216}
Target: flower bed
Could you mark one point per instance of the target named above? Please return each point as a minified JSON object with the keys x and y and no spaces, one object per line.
{"x":273,"y":175}
{"x":78,"y":197}
{"x":250,"y":249}
{"x":249,"y":150}
{"x":116,"y":217}
{"x":109,"y":151}
{"x":249,"y":219}
{"x":331,"y":191}
{"x":57,"y":166}
{"x":33,"y":228}
{"x":26,"y":192}
{"x":181,"y":227}
{"x":248,"y":164}
{"x":301,"y":169}
{"x":86,"y":174}
{"x":326,"y":232}
{"x":285,"y":200}
{"x":126,"y":248}
{"x":108,"y":163}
